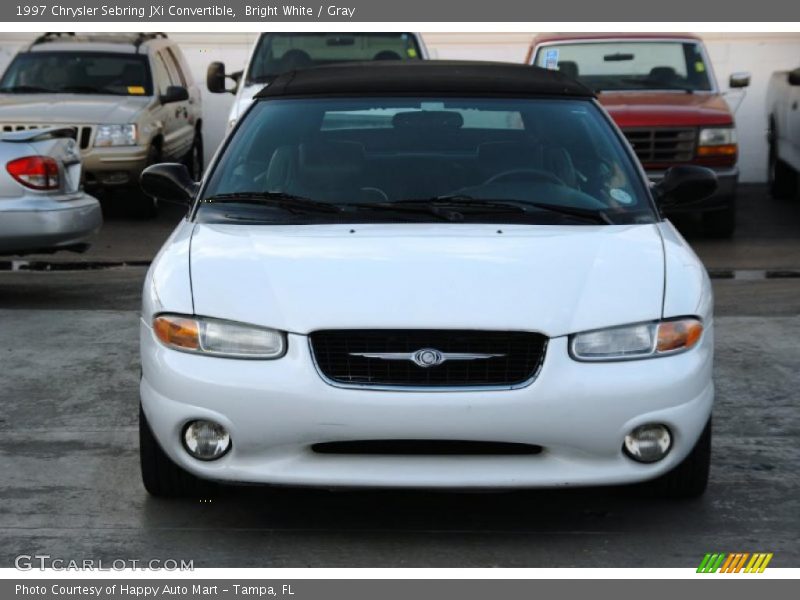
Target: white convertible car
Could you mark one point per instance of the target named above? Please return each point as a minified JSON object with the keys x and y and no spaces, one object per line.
{"x":426,"y":274}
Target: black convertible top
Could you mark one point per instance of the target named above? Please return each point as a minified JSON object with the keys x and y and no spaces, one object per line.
{"x":425,"y":77}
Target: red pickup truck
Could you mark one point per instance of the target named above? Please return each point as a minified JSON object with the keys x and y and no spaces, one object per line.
{"x":661,"y":91}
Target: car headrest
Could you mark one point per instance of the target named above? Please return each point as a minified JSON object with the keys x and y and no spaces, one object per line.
{"x":569,"y":68}
{"x":510,"y":155}
{"x":386,"y":55}
{"x":665,"y":74}
{"x":428,"y":119}
{"x":331,"y":158}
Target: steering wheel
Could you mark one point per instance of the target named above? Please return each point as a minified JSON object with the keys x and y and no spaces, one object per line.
{"x":374,"y":190}
{"x":525,"y":174}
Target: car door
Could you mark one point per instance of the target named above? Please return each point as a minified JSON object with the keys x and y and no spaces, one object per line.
{"x":185,"y":115}
{"x":170,"y":115}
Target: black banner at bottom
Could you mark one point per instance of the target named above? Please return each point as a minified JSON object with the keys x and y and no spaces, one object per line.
{"x":733,"y":587}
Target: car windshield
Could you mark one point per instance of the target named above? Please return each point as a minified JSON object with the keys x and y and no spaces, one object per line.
{"x":630,"y":65}
{"x":277,"y":53}
{"x":547,"y":161}
{"x":78,"y":73}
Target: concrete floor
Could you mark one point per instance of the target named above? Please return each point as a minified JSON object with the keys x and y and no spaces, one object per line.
{"x":69,"y":458}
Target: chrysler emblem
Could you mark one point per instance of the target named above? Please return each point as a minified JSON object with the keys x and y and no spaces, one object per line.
{"x":427,"y":357}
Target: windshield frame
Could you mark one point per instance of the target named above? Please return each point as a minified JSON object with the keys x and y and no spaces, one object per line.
{"x":249,"y":81}
{"x":148,"y":89}
{"x":636,"y":168}
{"x":712,"y":78}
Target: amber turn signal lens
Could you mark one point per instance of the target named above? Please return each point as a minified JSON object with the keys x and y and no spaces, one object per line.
{"x":678,"y":335}
{"x":721,"y":150}
{"x":177,"y":331}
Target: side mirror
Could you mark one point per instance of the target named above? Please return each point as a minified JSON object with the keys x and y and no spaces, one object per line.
{"x":794,"y":77}
{"x":685,"y":184}
{"x":216,"y":76}
{"x":169,"y":182}
{"x":739,"y":80}
{"x":175,"y":93}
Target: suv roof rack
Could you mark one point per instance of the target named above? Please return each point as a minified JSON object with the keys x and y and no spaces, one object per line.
{"x":136,"y":39}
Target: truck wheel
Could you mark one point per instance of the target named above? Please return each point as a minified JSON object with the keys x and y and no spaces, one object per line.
{"x":194,"y":159}
{"x":782,"y":178}
{"x":690,"y":478}
{"x":162,"y":477}
{"x":720,"y":223}
{"x":148,"y":205}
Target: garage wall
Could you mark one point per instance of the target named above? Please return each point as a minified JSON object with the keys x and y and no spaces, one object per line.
{"x":761,"y":54}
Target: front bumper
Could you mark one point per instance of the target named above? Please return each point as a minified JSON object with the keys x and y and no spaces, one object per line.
{"x":723,"y":198}
{"x":113,"y":167}
{"x":275,"y":410}
{"x":46,"y":223}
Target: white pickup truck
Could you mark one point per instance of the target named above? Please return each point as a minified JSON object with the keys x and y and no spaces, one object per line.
{"x":783,"y":106}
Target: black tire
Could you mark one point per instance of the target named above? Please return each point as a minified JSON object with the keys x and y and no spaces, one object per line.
{"x":690,"y":478}
{"x":720,"y":224}
{"x":162,"y":477}
{"x":194,"y":158}
{"x":782,"y":178}
{"x":148,"y":205}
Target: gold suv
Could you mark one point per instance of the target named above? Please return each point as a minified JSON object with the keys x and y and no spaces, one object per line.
{"x":130,"y":97}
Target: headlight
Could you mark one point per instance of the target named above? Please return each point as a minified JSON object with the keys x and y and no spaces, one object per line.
{"x":115,"y":135}
{"x":717,"y":141}
{"x":641,"y":340}
{"x":215,"y":337}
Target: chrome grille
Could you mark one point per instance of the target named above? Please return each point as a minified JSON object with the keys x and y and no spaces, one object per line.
{"x":83,"y":133}
{"x":507,"y":358}
{"x":666,"y":145}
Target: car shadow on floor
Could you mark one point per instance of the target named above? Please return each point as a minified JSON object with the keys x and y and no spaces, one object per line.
{"x":585,"y":510}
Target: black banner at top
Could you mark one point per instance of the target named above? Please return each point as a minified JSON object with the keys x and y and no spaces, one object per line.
{"x":387,"y":11}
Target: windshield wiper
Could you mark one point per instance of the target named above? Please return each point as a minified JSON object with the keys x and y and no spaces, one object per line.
{"x":438,"y":204}
{"x":26,"y":89}
{"x":288,"y":202}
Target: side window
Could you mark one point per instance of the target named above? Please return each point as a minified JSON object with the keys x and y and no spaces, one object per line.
{"x":173,"y":64}
{"x":161,"y":74}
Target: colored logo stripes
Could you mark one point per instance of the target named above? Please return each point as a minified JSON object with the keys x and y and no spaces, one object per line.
{"x":734,"y":563}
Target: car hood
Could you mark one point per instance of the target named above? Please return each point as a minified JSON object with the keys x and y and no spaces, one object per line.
{"x":70,"y":108}
{"x":666,"y":109}
{"x":552,"y":279}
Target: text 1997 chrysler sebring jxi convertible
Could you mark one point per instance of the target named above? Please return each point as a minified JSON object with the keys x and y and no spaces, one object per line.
{"x":433,"y":274}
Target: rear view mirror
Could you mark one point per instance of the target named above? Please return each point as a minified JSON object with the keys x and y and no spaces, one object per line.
{"x":216,"y":76}
{"x":685,"y":184}
{"x":169,"y":182}
{"x":794,"y":77}
{"x":739,"y":80}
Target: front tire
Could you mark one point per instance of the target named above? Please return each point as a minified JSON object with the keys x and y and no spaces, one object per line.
{"x":690,"y":478}
{"x":148,"y":205}
{"x":782,"y":178}
{"x":162,"y":477}
{"x":720,"y":224}
{"x":194,"y":159}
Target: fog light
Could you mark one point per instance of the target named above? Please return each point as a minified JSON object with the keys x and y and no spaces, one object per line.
{"x":648,"y":443}
{"x":206,"y":440}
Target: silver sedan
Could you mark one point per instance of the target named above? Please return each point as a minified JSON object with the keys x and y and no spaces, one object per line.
{"x":42,"y":205}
